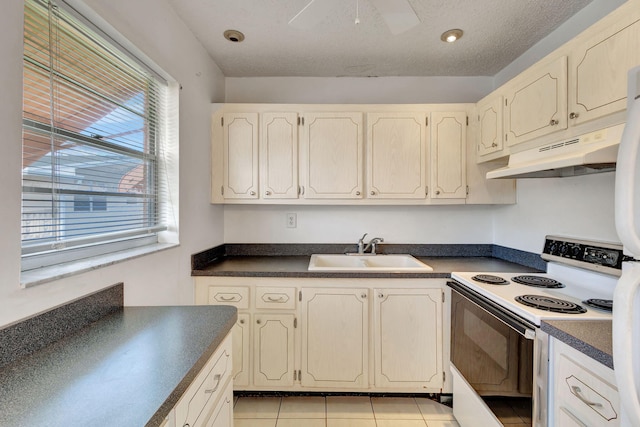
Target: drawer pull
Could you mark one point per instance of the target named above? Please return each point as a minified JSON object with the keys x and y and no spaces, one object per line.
{"x":272,"y":299}
{"x":213,"y":390}
{"x":578,"y":393}
{"x":224,"y":298}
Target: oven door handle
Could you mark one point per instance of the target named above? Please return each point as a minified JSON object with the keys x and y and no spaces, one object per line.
{"x":521,"y":326}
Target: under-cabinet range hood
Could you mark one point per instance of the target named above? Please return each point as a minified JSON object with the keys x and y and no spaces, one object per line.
{"x":589,"y":153}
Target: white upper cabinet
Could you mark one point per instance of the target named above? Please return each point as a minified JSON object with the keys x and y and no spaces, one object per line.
{"x":279,"y":156}
{"x":240,"y":155}
{"x":350,"y":154}
{"x":333,"y":159}
{"x":397,"y":155}
{"x":490,"y":135}
{"x":598,"y":70}
{"x":536,"y":102}
{"x":448,"y":155}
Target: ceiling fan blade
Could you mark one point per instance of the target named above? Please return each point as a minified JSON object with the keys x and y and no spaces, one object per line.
{"x":398,"y":14}
{"x":314,"y":12}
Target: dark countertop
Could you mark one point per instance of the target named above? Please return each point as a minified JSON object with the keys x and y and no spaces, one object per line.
{"x":128,"y":369}
{"x":591,"y":337}
{"x":296,"y":266}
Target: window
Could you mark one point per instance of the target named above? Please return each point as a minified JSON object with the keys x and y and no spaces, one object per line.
{"x":93,"y":120}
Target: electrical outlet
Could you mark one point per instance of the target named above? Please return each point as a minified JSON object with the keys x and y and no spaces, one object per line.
{"x":292,"y":220}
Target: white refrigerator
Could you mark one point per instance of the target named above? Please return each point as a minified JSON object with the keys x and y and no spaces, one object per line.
{"x":626,"y":312}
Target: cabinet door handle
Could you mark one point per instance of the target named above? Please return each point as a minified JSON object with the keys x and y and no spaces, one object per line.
{"x":380,"y":295}
{"x":242,"y":321}
{"x":578,"y":393}
{"x":363,"y":295}
{"x":357,"y":193}
{"x":553,"y":122}
{"x":258,"y":321}
{"x":268,"y":193}
{"x":373,"y":193}
{"x":437,"y":192}
{"x":253,"y":193}
{"x":574,"y":115}
{"x":212,"y":390}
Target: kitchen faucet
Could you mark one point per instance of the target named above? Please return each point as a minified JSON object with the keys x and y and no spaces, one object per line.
{"x":362,"y":248}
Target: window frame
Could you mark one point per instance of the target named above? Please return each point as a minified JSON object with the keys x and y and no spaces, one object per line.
{"x":153,"y":238}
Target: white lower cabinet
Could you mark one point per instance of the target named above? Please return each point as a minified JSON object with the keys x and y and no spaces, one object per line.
{"x":208,"y":400}
{"x":317,"y":334}
{"x":335,"y":349}
{"x":241,"y":332}
{"x":583,"y":391}
{"x":273,"y":337}
{"x":408,"y":338}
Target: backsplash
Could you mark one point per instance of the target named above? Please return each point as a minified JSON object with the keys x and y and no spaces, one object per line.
{"x":30,"y":335}
{"x":529,"y":259}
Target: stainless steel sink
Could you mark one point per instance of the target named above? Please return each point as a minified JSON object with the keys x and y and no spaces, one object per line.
{"x":367,"y":263}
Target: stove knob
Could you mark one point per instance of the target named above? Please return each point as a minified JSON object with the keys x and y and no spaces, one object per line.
{"x":564,"y":249}
{"x":553,"y":247}
{"x":575,"y":251}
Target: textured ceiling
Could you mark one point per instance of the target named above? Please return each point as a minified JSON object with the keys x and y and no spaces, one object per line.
{"x":496,"y":33}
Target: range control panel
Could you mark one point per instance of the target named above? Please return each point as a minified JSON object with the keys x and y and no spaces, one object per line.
{"x":599,"y":256}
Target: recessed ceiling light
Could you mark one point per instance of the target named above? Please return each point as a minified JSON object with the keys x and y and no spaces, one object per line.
{"x":451,"y":35}
{"x":234,"y":36}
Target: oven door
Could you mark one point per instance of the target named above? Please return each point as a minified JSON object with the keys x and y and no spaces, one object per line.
{"x":493,"y":351}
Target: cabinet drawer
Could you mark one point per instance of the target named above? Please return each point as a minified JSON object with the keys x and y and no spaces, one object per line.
{"x":282,"y":298}
{"x":196,"y":404}
{"x":229,"y":295}
{"x":222,"y":415}
{"x":589,"y":395}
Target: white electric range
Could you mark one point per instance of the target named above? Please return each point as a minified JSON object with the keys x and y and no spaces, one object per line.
{"x":573,"y":300}
{"x":498,"y":352}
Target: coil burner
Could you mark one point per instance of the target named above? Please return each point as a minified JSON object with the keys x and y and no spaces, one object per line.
{"x":490,"y":279}
{"x":537,"y":281}
{"x":554,"y":305}
{"x":600,"y":304}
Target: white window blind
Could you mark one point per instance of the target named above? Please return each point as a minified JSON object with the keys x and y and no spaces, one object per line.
{"x":93,"y":120}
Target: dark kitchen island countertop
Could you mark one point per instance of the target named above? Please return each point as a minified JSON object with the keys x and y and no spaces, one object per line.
{"x":296,"y":266}
{"x":129,"y":368}
{"x":591,"y":337}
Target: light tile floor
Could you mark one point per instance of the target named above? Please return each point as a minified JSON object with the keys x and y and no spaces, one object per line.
{"x":341,"y":411}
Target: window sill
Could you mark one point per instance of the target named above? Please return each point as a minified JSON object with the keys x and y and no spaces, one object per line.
{"x":48,"y":274}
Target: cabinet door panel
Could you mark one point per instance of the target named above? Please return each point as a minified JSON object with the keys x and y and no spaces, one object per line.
{"x":240,"y":353}
{"x":490,"y":136}
{"x":279,"y":156}
{"x":537,"y":104}
{"x":408,"y":338}
{"x":273,"y":349}
{"x":240,"y":151}
{"x":333,"y":160}
{"x":448,"y":154}
{"x":335,"y":332}
{"x":598,"y":71}
{"x":397,"y":155}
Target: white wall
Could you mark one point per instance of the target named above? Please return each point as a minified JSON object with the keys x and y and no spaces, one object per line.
{"x":579,"y":206}
{"x":161,"y":278}
{"x":346,"y":224}
{"x":357,"y":90}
